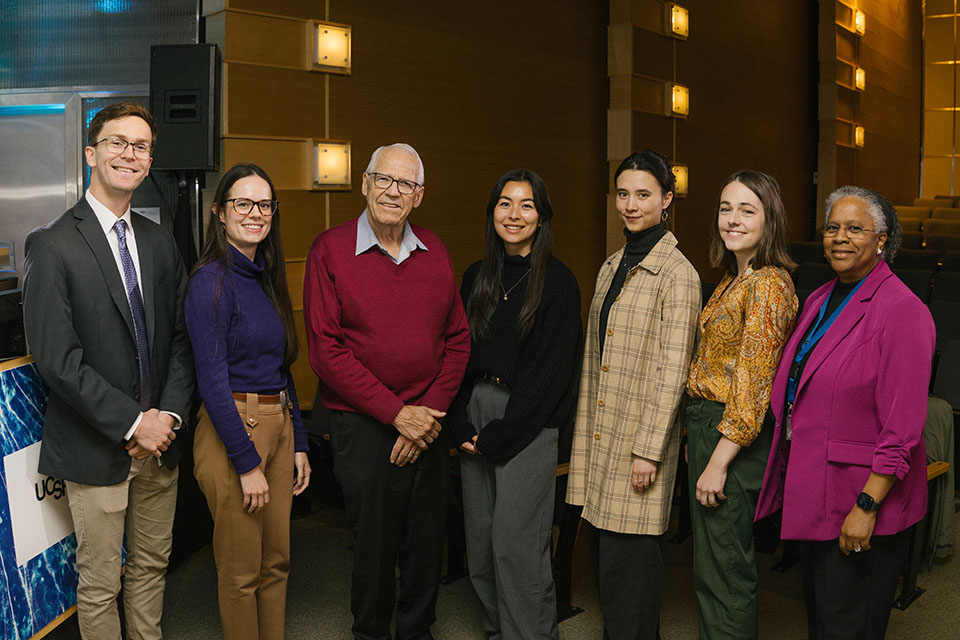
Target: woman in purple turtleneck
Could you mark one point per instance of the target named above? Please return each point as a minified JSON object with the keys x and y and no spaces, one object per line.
{"x":250,"y":445}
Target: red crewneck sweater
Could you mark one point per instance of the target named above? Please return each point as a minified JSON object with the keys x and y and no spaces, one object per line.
{"x":380,"y":334}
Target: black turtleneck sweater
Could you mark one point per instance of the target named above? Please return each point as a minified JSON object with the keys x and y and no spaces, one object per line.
{"x":638,"y":246}
{"x":541,"y":371}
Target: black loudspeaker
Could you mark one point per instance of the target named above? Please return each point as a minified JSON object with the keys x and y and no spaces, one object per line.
{"x":185,"y":102}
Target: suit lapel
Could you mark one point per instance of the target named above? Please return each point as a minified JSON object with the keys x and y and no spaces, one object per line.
{"x":845,"y":322}
{"x":89,"y":228}
{"x":145,"y":254}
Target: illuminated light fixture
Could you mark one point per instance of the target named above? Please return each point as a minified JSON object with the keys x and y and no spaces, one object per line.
{"x":331,"y":47}
{"x":859,"y":134}
{"x":860,"y":78}
{"x":681,"y":175}
{"x":331,"y":164}
{"x":860,"y":22}
{"x":678,"y":100}
{"x":677,"y":20}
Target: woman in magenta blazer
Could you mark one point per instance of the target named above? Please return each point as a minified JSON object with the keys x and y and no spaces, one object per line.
{"x":848,"y":462}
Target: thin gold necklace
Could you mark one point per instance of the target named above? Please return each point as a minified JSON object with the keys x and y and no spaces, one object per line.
{"x":505,"y":292}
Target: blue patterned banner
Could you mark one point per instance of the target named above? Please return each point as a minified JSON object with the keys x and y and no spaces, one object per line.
{"x":41,"y":584}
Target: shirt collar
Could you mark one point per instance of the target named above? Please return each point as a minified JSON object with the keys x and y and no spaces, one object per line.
{"x":105,"y":217}
{"x":366,"y":239}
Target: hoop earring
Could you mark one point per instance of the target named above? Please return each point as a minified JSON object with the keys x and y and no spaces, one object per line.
{"x":664,"y":215}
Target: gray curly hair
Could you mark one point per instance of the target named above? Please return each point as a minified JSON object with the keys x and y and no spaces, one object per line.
{"x":884,"y":215}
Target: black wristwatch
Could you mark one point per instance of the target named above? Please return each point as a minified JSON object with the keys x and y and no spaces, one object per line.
{"x":867,"y":503}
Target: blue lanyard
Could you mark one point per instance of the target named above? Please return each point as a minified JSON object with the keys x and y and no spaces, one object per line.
{"x":813,"y":339}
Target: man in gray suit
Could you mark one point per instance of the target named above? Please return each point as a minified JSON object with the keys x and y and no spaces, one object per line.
{"x":102,"y":302}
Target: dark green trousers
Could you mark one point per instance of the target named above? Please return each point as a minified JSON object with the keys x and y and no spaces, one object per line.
{"x":724,"y":568}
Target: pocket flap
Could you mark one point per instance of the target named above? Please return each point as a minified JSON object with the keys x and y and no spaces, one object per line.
{"x":860,"y":453}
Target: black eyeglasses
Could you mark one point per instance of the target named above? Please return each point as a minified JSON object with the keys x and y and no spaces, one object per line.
{"x":244,"y":206}
{"x":383,"y":181}
{"x":117,"y":146}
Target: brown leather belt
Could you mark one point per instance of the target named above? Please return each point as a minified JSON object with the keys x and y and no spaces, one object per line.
{"x":277,"y":398}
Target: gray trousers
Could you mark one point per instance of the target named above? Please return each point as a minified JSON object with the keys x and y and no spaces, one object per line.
{"x":508,"y":518}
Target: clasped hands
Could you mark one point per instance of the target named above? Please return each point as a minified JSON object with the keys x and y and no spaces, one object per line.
{"x":418,"y":427}
{"x":153,"y":436}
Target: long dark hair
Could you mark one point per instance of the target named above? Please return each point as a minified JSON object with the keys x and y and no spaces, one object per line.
{"x":274,"y":279}
{"x":772,"y":250}
{"x":485,"y":294}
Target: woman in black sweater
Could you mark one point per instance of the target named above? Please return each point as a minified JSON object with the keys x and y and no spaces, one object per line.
{"x":523,"y":306}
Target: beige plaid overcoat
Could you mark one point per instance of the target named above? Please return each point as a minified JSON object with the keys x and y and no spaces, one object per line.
{"x":629,"y":397}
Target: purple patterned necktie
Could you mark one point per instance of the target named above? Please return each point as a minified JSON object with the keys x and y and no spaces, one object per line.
{"x":136,"y":309}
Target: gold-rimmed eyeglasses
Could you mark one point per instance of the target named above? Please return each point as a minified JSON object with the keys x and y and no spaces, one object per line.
{"x":831,"y":229}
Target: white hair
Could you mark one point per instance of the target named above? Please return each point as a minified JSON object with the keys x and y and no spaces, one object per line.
{"x":400,"y":146}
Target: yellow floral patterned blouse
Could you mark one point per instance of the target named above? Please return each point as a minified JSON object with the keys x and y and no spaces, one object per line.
{"x":742,"y":334}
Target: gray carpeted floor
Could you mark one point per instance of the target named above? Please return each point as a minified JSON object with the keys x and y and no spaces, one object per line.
{"x":318,"y":599}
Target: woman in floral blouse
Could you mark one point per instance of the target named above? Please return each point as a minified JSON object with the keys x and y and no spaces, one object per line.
{"x":743,"y":329}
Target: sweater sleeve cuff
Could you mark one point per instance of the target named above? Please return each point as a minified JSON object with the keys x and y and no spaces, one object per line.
{"x":385,"y":412}
{"x":246,"y":460}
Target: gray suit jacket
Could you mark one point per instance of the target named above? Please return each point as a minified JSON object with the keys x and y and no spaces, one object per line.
{"x":80,"y":330}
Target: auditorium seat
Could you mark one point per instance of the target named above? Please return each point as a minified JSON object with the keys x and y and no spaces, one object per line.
{"x":942,"y":213}
{"x":946,"y":317}
{"x":950,"y":261}
{"x":946,"y":227}
{"x":933,"y":202}
{"x":802,"y":252}
{"x":946,"y":286}
{"x":912,"y":225}
{"x":918,"y":281}
{"x":914,"y":213}
{"x":810,"y":275}
{"x":912,"y":240}
{"x":915,"y":259}
{"x":941,"y":243}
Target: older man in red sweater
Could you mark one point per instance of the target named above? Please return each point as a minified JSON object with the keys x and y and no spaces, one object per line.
{"x":388,"y":338}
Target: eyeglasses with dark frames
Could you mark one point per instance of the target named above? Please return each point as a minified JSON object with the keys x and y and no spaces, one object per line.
{"x":117,"y":146}
{"x":244,"y":206}
{"x":383,"y":181}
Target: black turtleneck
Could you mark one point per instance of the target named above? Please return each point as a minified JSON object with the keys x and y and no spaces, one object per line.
{"x":837,"y":296}
{"x":638,"y":246}
{"x":540,"y":371}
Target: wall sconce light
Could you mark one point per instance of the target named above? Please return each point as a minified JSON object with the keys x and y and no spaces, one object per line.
{"x":331,"y":164}
{"x":859,"y":134}
{"x":860,"y":22}
{"x":860,"y":78}
{"x":681,"y":175}
{"x":677,"y":20}
{"x":678,"y":100}
{"x":331,"y":47}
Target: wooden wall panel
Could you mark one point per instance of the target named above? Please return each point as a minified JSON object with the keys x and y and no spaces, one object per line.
{"x":478,"y":89}
{"x":891,"y":108}
{"x":266,"y":101}
{"x":296,"y":269}
{"x":304,"y":215}
{"x":285,"y":161}
{"x":254,"y":39}
{"x":753,"y":105}
{"x":304,"y":379}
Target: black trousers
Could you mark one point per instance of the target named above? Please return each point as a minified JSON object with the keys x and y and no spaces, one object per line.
{"x":629,"y":571}
{"x":850,"y":597}
{"x":397,"y":518}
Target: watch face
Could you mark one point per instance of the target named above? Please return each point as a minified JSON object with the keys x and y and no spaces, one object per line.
{"x":867,"y":503}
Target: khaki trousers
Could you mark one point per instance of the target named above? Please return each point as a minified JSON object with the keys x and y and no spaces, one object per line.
{"x":251,"y":551}
{"x":142,"y":506}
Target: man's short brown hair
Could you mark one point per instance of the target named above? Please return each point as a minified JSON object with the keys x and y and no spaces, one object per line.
{"x":115,"y":112}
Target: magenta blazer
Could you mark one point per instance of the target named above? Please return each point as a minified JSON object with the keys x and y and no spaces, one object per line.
{"x":861,"y":405}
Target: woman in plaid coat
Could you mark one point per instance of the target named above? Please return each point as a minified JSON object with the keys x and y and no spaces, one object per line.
{"x":639,"y":339}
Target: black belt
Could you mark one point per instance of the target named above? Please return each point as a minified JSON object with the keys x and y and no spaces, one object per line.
{"x":492,"y":379}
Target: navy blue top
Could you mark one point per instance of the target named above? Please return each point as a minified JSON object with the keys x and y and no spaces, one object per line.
{"x":238,"y":345}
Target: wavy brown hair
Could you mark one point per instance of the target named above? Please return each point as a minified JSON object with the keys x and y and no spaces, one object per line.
{"x":772,"y":250}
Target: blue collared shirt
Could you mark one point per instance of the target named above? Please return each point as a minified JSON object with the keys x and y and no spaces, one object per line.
{"x":366,"y":239}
